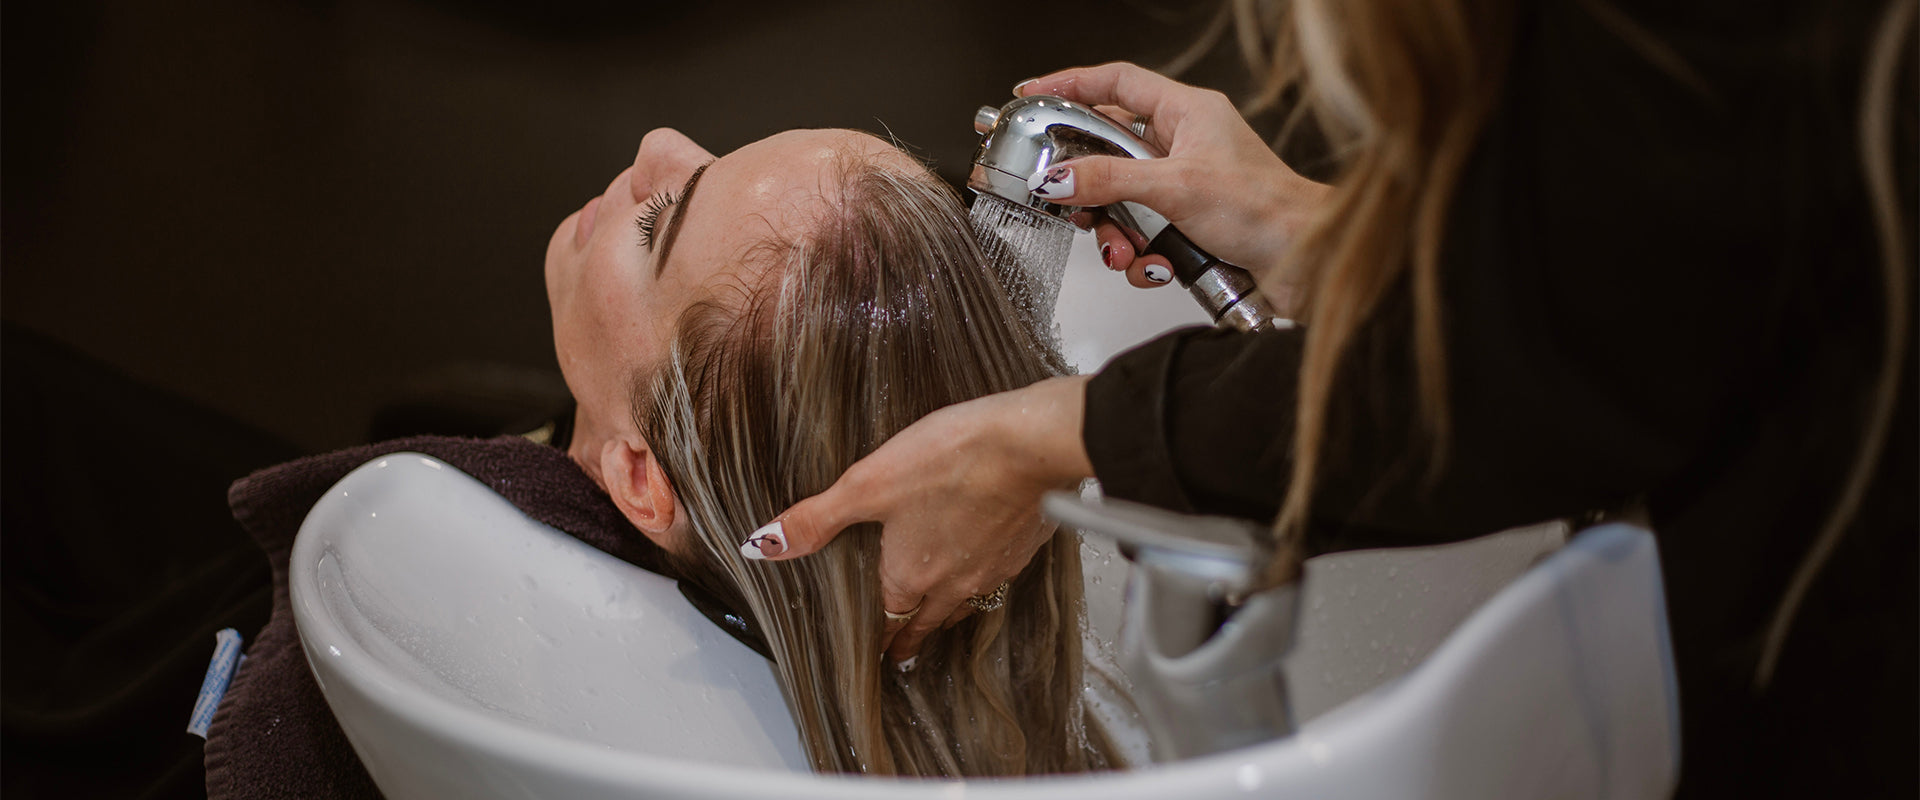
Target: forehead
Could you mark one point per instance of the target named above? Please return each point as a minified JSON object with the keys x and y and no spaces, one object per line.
{"x":778,"y":185}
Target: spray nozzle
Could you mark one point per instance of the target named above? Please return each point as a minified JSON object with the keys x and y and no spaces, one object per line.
{"x":1028,"y":135}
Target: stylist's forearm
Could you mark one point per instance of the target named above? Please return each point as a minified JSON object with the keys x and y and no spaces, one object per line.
{"x":1045,"y":424}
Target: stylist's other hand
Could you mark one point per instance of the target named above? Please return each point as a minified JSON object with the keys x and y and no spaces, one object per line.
{"x":1220,"y":183}
{"x":958,"y":497}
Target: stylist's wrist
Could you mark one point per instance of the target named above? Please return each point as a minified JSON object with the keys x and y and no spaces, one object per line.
{"x":1042,"y":424}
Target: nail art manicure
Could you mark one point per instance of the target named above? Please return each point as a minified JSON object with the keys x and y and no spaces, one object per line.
{"x":1158,"y":274}
{"x":769,"y":541}
{"x":1053,"y":184}
{"x":1106,"y":255}
{"x":1018,"y":86}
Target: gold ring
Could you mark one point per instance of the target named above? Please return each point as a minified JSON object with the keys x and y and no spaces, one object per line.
{"x":892,"y":617}
{"x":991,"y":601}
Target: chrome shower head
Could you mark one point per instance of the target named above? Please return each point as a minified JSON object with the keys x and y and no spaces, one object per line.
{"x":1029,"y":135}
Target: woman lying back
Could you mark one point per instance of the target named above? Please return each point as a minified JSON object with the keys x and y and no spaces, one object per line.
{"x":737,"y":332}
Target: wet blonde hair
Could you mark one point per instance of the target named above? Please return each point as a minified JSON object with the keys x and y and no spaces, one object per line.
{"x":879,"y":314}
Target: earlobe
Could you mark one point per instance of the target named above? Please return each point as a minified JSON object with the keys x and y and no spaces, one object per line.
{"x":638,"y":485}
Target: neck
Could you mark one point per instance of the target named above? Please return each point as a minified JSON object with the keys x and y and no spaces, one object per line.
{"x":589,"y":439}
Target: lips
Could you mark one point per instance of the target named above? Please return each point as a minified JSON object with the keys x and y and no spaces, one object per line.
{"x":583,"y":230}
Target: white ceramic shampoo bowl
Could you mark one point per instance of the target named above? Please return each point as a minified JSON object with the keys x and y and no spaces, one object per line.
{"x":471,"y":652}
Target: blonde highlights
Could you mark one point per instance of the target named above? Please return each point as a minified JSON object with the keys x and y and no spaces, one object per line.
{"x":1403,"y":112}
{"x":881,"y":313}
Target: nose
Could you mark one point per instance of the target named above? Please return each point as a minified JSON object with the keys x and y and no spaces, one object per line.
{"x":665,"y":159}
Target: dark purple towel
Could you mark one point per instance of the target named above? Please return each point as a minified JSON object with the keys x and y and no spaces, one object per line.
{"x":274,"y":736}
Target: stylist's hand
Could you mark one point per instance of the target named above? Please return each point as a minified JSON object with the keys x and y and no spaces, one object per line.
{"x":1219,"y":184}
{"x":958,"y":496}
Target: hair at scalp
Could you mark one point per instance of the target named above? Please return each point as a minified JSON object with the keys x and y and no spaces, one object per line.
{"x":878,"y":314}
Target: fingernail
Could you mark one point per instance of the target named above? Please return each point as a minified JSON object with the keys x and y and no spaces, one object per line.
{"x":1021,"y":85}
{"x":1158,"y":274}
{"x":907,"y":665}
{"x":1106,"y":255}
{"x":769,"y":541}
{"x":1053,"y":184}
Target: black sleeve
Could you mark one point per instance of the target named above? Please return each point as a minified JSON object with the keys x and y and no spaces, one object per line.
{"x":1196,"y":421}
{"x":1636,"y":276}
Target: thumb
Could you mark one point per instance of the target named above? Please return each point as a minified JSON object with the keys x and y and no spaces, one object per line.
{"x":1159,"y":184}
{"x":801,"y":530}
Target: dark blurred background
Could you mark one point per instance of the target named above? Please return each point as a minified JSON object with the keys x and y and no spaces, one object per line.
{"x":239,"y":230}
{"x":314,"y":216}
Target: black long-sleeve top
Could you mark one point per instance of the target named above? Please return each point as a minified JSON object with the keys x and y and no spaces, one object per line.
{"x":1659,"y":285}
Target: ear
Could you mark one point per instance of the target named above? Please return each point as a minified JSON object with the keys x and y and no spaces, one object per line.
{"x":639,"y":485}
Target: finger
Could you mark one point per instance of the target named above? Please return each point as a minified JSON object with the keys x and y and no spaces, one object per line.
{"x":960,"y":612}
{"x":1166,"y":185}
{"x":934,"y":610}
{"x":887,"y":636}
{"x":1116,"y":248}
{"x":1139,"y":124}
{"x":1129,"y":86}
{"x":1118,"y":114}
{"x":809,"y":525}
{"x":896,"y":621}
{"x":1150,"y":272}
{"x":898,"y":599}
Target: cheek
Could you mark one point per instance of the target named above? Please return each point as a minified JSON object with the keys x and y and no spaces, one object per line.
{"x":577,"y":334}
{"x":601,"y":323}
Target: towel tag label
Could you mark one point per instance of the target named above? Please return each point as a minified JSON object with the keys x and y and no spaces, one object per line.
{"x":226,"y":659}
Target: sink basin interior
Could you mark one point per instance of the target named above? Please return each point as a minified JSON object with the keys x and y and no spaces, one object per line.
{"x":449,"y":588}
{"x":426,"y":602}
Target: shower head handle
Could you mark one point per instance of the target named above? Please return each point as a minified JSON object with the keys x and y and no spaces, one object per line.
{"x":1029,"y":135}
{"x":1032,"y":133}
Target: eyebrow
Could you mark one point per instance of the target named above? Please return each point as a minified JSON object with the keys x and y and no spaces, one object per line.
{"x":679,"y":212}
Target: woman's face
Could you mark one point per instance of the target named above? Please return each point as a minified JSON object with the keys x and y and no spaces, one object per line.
{"x":622,"y":269}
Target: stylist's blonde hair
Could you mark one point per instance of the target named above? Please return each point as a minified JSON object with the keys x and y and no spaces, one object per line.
{"x":1403,"y":89}
{"x":1404,"y":113}
{"x":880,"y":314}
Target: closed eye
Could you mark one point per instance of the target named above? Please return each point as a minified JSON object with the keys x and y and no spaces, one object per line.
{"x":650,"y":212}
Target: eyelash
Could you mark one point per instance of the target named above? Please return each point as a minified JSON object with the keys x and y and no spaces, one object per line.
{"x":650,"y":215}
